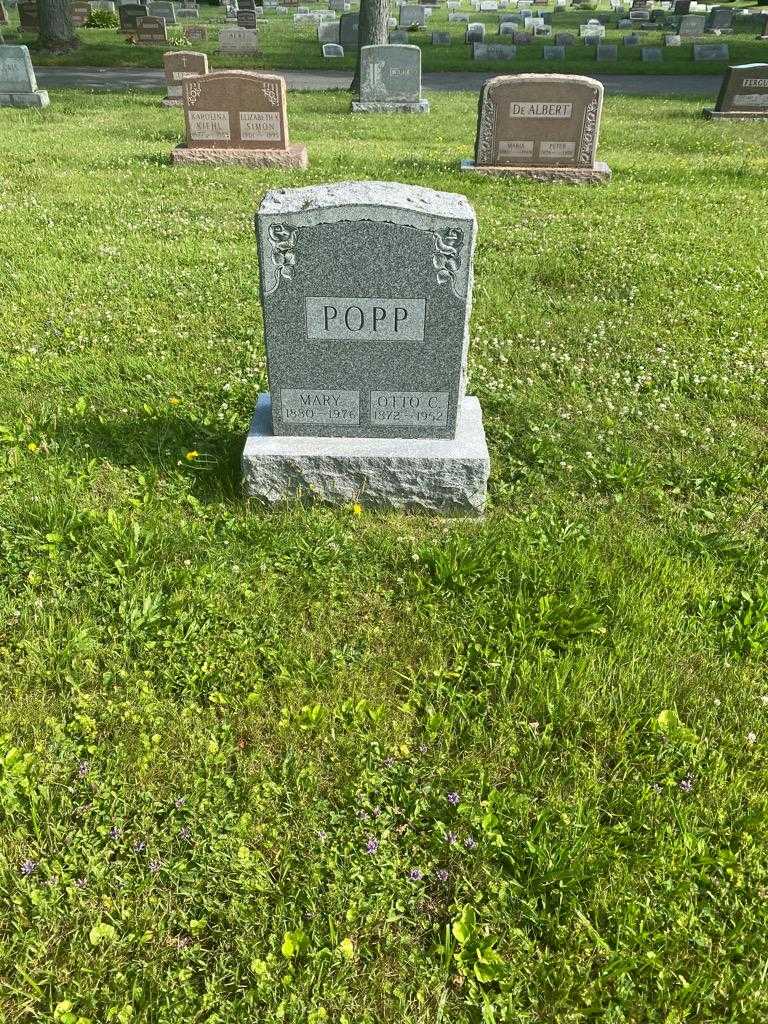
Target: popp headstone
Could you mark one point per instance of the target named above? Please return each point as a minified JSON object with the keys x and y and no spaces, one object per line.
{"x":390,"y":80}
{"x":178,"y":65}
{"x":237,"y":117}
{"x":743,"y":94}
{"x":544,"y":127}
{"x":18,"y":85}
{"x":366,"y":292}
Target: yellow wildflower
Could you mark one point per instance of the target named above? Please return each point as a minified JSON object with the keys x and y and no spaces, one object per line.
{"x":191,"y":456}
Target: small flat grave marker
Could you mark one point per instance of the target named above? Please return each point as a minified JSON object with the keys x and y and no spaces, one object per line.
{"x":331,"y":50}
{"x":652,"y":54}
{"x":710,"y":51}
{"x":554,"y":53}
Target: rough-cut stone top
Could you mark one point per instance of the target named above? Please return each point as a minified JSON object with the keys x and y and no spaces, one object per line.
{"x":386,"y":197}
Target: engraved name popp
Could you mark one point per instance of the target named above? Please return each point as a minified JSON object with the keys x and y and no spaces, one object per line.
{"x":365,"y":319}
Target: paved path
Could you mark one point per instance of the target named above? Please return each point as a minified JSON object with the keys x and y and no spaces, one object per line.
{"x":117,"y":79}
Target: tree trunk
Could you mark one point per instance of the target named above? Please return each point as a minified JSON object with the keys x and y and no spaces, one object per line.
{"x":373,"y":31}
{"x":56,"y":29}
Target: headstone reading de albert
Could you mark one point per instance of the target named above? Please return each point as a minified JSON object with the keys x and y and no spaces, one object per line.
{"x":151,"y":32}
{"x":544,"y":127}
{"x":238,"y":40}
{"x":237,"y":117}
{"x":18,"y":85}
{"x":390,"y":80}
{"x":710,"y":51}
{"x":743,"y":94}
{"x":178,"y":65}
{"x":366,"y":291}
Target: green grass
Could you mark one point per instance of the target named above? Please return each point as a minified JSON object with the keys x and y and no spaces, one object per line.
{"x":286,"y":46}
{"x":209,"y":710}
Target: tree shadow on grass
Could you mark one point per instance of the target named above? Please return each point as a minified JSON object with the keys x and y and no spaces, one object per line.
{"x":164,"y":444}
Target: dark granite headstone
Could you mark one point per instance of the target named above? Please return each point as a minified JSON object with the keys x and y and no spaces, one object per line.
{"x":744,"y":90}
{"x":365,"y":298}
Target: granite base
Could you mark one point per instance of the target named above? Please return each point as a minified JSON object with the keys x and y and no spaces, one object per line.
{"x":735,"y":115}
{"x":596,"y":175}
{"x":24,"y":99}
{"x":295,"y":156}
{"x":435,"y":477}
{"x":421,"y":107}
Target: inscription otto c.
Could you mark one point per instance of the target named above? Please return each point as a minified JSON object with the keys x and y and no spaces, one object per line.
{"x":410,"y":408}
{"x":306,"y":405}
{"x":343,"y":319}
{"x":538,"y":109}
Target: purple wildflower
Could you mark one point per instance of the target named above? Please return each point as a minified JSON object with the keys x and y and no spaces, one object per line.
{"x":450,"y":838}
{"x":81,"y":883}
{"x":453,"y":799}
{"x":155,"y":865}
{"x":415,"y":875}
{"x":179,"y":802}
{"x":470,"y":842}
{"x":423,"y":748}
{"x":28,"y":867}
{"x":115,"y":833}
{"x":139,"y":846}
{"x":185,"y":833}
{"x":686,"y":784}
{"x":83,"y":768}
{"x":442,"y":874}
{"x":322,"y":834}
{"x":372,"y":846}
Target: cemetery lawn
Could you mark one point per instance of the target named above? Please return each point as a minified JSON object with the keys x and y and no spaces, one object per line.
{"x":289,"y":46}
{"x":340,"y":766}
